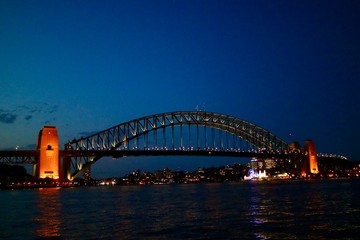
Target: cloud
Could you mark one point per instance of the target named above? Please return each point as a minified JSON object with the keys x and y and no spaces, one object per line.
{"x":23,"y":107}
{"x":28,"y":112}
{"x":7,"y":117}
{"x":30,"y":146}
{"x":50,"y":121}
{"x":34,"y":110}
{"x":21,"y":147}
{"x":86,"y":134}
{"x":39,"y":108}
{"x":53,"y":109}
{"x":28,"y":117}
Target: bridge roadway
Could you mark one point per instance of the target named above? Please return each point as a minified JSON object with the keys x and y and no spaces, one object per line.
{"x":154,"y":152}
{"x":32,"y":156}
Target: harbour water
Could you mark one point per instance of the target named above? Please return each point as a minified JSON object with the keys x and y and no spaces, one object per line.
{"x":313,"y":209}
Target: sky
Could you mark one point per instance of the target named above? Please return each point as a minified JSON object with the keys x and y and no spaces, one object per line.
{"x":291,"y":67}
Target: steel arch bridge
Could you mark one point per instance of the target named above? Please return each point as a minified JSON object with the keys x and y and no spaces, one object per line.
{"x":174,"y":133}
{"x":183,"y":133}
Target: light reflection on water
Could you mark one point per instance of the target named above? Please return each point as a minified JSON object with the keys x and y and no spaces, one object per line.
{"x":48,"y":220}
{"x":268,"y":210}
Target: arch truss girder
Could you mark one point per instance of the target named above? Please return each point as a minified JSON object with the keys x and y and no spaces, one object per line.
{"x":19,"y":157}
{"x":119,"y":135}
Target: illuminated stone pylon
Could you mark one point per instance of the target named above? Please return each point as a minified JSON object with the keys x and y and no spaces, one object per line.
{"x":312,"y":159}
{"x":48,"y":144}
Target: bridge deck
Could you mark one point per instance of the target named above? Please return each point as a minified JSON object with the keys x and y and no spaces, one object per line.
{"x":125,"y":153}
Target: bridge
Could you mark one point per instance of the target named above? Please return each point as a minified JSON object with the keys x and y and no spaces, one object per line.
{"x":183,"y":133}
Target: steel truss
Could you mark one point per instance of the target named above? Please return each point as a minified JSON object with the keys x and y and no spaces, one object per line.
{"x":19,"y":157}
{"x":119,"y":137}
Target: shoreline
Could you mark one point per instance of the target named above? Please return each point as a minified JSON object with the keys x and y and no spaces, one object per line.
{"x":37,"y":185}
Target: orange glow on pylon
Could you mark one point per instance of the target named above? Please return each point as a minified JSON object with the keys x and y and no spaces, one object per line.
{"x":313,"y":163}
{"x":48,"y":144}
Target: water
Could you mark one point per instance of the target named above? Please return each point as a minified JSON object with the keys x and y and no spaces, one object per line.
{"x":319,"y":209}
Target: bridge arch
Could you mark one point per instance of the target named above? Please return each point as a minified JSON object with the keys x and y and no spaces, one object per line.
{"x":119,"y":136}
{"x":132,"y":138}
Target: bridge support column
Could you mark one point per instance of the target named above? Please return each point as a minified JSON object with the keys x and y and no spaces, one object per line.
{"x":66,"y":168}
{"x":312,"y":158}
{"x":48,"y":144}
{"x":87,"y":174}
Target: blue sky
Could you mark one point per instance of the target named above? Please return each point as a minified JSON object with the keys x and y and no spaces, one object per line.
{"x":83,"y":66}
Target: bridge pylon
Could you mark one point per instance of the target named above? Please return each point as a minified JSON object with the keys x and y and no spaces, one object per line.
{"x":48,"y":144}
{"x":312,"y":163}
{"x":309,"y":162}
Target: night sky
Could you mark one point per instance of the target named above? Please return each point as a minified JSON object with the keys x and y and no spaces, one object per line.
{"x":292,"y":67}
